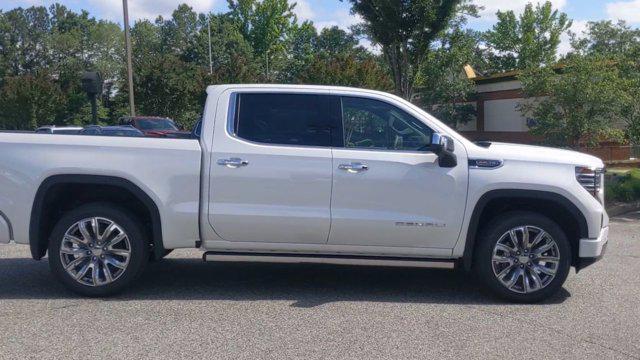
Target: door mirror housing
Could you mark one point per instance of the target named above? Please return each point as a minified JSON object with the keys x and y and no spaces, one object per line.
{"x":444,"y":146}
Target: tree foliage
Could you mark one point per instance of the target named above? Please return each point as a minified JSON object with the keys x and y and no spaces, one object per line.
{"x":265,"y":24}
{"x":43,"y":52}
{"x":591,"y":96}
{"x":28,"y":101}
{"x":443,"y":88}
{"x":580,"y":104}
{"x":588,"y":95}
{"x":528,"y":41}
{"x":405,"y":31}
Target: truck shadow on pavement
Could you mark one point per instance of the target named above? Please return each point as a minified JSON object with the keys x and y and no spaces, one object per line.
{"x":307,"y":285}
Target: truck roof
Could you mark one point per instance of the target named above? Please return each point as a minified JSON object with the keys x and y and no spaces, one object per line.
{"x":223,"y":87}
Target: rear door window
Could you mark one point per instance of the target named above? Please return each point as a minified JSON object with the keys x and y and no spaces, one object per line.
{"x":286,"y":119}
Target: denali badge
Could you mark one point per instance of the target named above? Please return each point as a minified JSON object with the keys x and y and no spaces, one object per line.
{"x":420,"y":224}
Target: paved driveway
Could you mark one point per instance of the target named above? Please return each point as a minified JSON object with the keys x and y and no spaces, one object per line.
{"x":183,"y":308}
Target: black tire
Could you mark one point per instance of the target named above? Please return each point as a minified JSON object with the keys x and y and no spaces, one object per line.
{"x":127,"y":221}
{"x":491,"y":235}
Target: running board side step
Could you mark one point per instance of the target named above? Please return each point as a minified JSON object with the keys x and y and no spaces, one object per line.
{"x":224,"y":256}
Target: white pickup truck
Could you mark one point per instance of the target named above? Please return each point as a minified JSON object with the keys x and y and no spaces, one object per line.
{"x":304,"y":174}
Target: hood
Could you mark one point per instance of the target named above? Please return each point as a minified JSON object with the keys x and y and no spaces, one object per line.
{"x":504,"y":151}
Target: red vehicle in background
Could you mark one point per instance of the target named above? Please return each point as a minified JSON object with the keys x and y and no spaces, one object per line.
{"x":154,"y":126}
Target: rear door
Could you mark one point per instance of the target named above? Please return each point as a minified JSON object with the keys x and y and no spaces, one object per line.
{"x":271,"y":169}
{"x":388,"y":188}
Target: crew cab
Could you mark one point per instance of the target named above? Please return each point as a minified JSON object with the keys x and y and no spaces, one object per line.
{"x":283,"y":173}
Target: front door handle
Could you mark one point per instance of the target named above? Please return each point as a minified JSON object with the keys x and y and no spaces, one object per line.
{"x":233,"y":162}
{"x":354,"y":167}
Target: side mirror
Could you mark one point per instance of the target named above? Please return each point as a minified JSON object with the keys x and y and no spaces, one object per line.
{"x":444,"y":147}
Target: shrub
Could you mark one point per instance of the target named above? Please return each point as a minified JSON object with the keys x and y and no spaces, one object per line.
{"x":625,"y":188}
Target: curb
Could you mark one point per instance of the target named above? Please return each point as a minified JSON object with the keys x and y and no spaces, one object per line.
{"x":623,"y":208}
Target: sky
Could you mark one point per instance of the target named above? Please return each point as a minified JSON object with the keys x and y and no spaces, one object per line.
{"x":325,"y":13}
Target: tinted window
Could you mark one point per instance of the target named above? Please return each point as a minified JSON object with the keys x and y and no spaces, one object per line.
{"x":66,"y":131}
{"x":373,"y":124}
{"x":156,"y":124}
{"x":120,"y":133}
{"x":90,"y":132}
{"x":197,"y":129}
{"x":290,"y":119}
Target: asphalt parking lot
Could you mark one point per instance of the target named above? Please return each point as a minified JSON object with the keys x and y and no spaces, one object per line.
{"x":183,"y":308}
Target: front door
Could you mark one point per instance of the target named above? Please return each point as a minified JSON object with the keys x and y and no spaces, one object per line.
{"x":388,"y":189}
{"x":271,"y":171}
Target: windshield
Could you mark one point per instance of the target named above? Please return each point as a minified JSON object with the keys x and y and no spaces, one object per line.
{"x":156,"y":124}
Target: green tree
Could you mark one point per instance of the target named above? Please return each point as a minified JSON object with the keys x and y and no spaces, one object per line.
{"x":302,"y":50}
{"x":443,"y":88}
{"x":529,"y":41}
{"x":312,"y":55}
{"x":170,"y":87}
{"x":54,"y":45}
{"x":618,"y":45}
{"x":232,"y":56}
{"x":23,"y":40}
{"x":169,"y":71}
{"x":608,"y":39}
{"x":79,"y":43}
{"x":171,"y":63}
{"x":28,"y":101}
{"x":266,"y":25}
{"x":179,"y":34}
{"x":347,"y":70}
{"x":405,"y":31}
{"x":578,"y":105}
{"x":334,"y":41}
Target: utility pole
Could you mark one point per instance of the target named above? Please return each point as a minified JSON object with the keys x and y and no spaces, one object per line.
{"x":209,"y":30}
{"x":127,"y":41}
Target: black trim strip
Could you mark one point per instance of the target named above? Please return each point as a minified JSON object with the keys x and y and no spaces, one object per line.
{"x":38,"y":241}
{"x":467,"y":257}
{"x":326,"y":256}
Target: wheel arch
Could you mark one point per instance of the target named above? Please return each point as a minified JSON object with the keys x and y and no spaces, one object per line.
{"x":494,"y":202}
{"x":40,"y":226}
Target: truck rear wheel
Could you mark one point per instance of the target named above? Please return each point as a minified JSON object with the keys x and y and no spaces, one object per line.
{"x":523,"y":257}
{"x":97,"y":249}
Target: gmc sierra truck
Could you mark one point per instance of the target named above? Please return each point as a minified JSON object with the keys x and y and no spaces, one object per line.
{"x":304,"y":174}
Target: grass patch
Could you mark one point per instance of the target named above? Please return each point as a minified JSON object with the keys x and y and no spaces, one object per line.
{"x":624,"y":187}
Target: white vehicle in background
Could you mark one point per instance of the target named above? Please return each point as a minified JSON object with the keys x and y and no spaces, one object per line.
{"x":61,"y":130}
{"x":305,"y":174}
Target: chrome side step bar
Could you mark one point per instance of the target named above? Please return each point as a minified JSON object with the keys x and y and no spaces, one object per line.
{"x":223,"y":256}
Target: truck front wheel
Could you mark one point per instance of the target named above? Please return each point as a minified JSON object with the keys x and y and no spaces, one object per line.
{"x":97,"y":249}
{"x":523,"y":257}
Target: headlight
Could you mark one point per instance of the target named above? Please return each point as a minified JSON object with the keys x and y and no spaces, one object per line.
{"x":592,"y":179}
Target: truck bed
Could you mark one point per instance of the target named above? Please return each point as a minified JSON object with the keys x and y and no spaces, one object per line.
{"x":168,"y":170}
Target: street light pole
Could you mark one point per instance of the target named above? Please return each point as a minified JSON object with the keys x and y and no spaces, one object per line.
{"x":127,"y":41}
{"x":209,"y":30}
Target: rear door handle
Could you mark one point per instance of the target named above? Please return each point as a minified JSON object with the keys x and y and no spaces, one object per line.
{"x":233,"y":162}
{"x":354,"y":167}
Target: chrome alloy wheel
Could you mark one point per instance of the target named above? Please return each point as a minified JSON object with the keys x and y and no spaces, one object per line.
{"x":525,"y":259}
{"x":95,"y":251}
